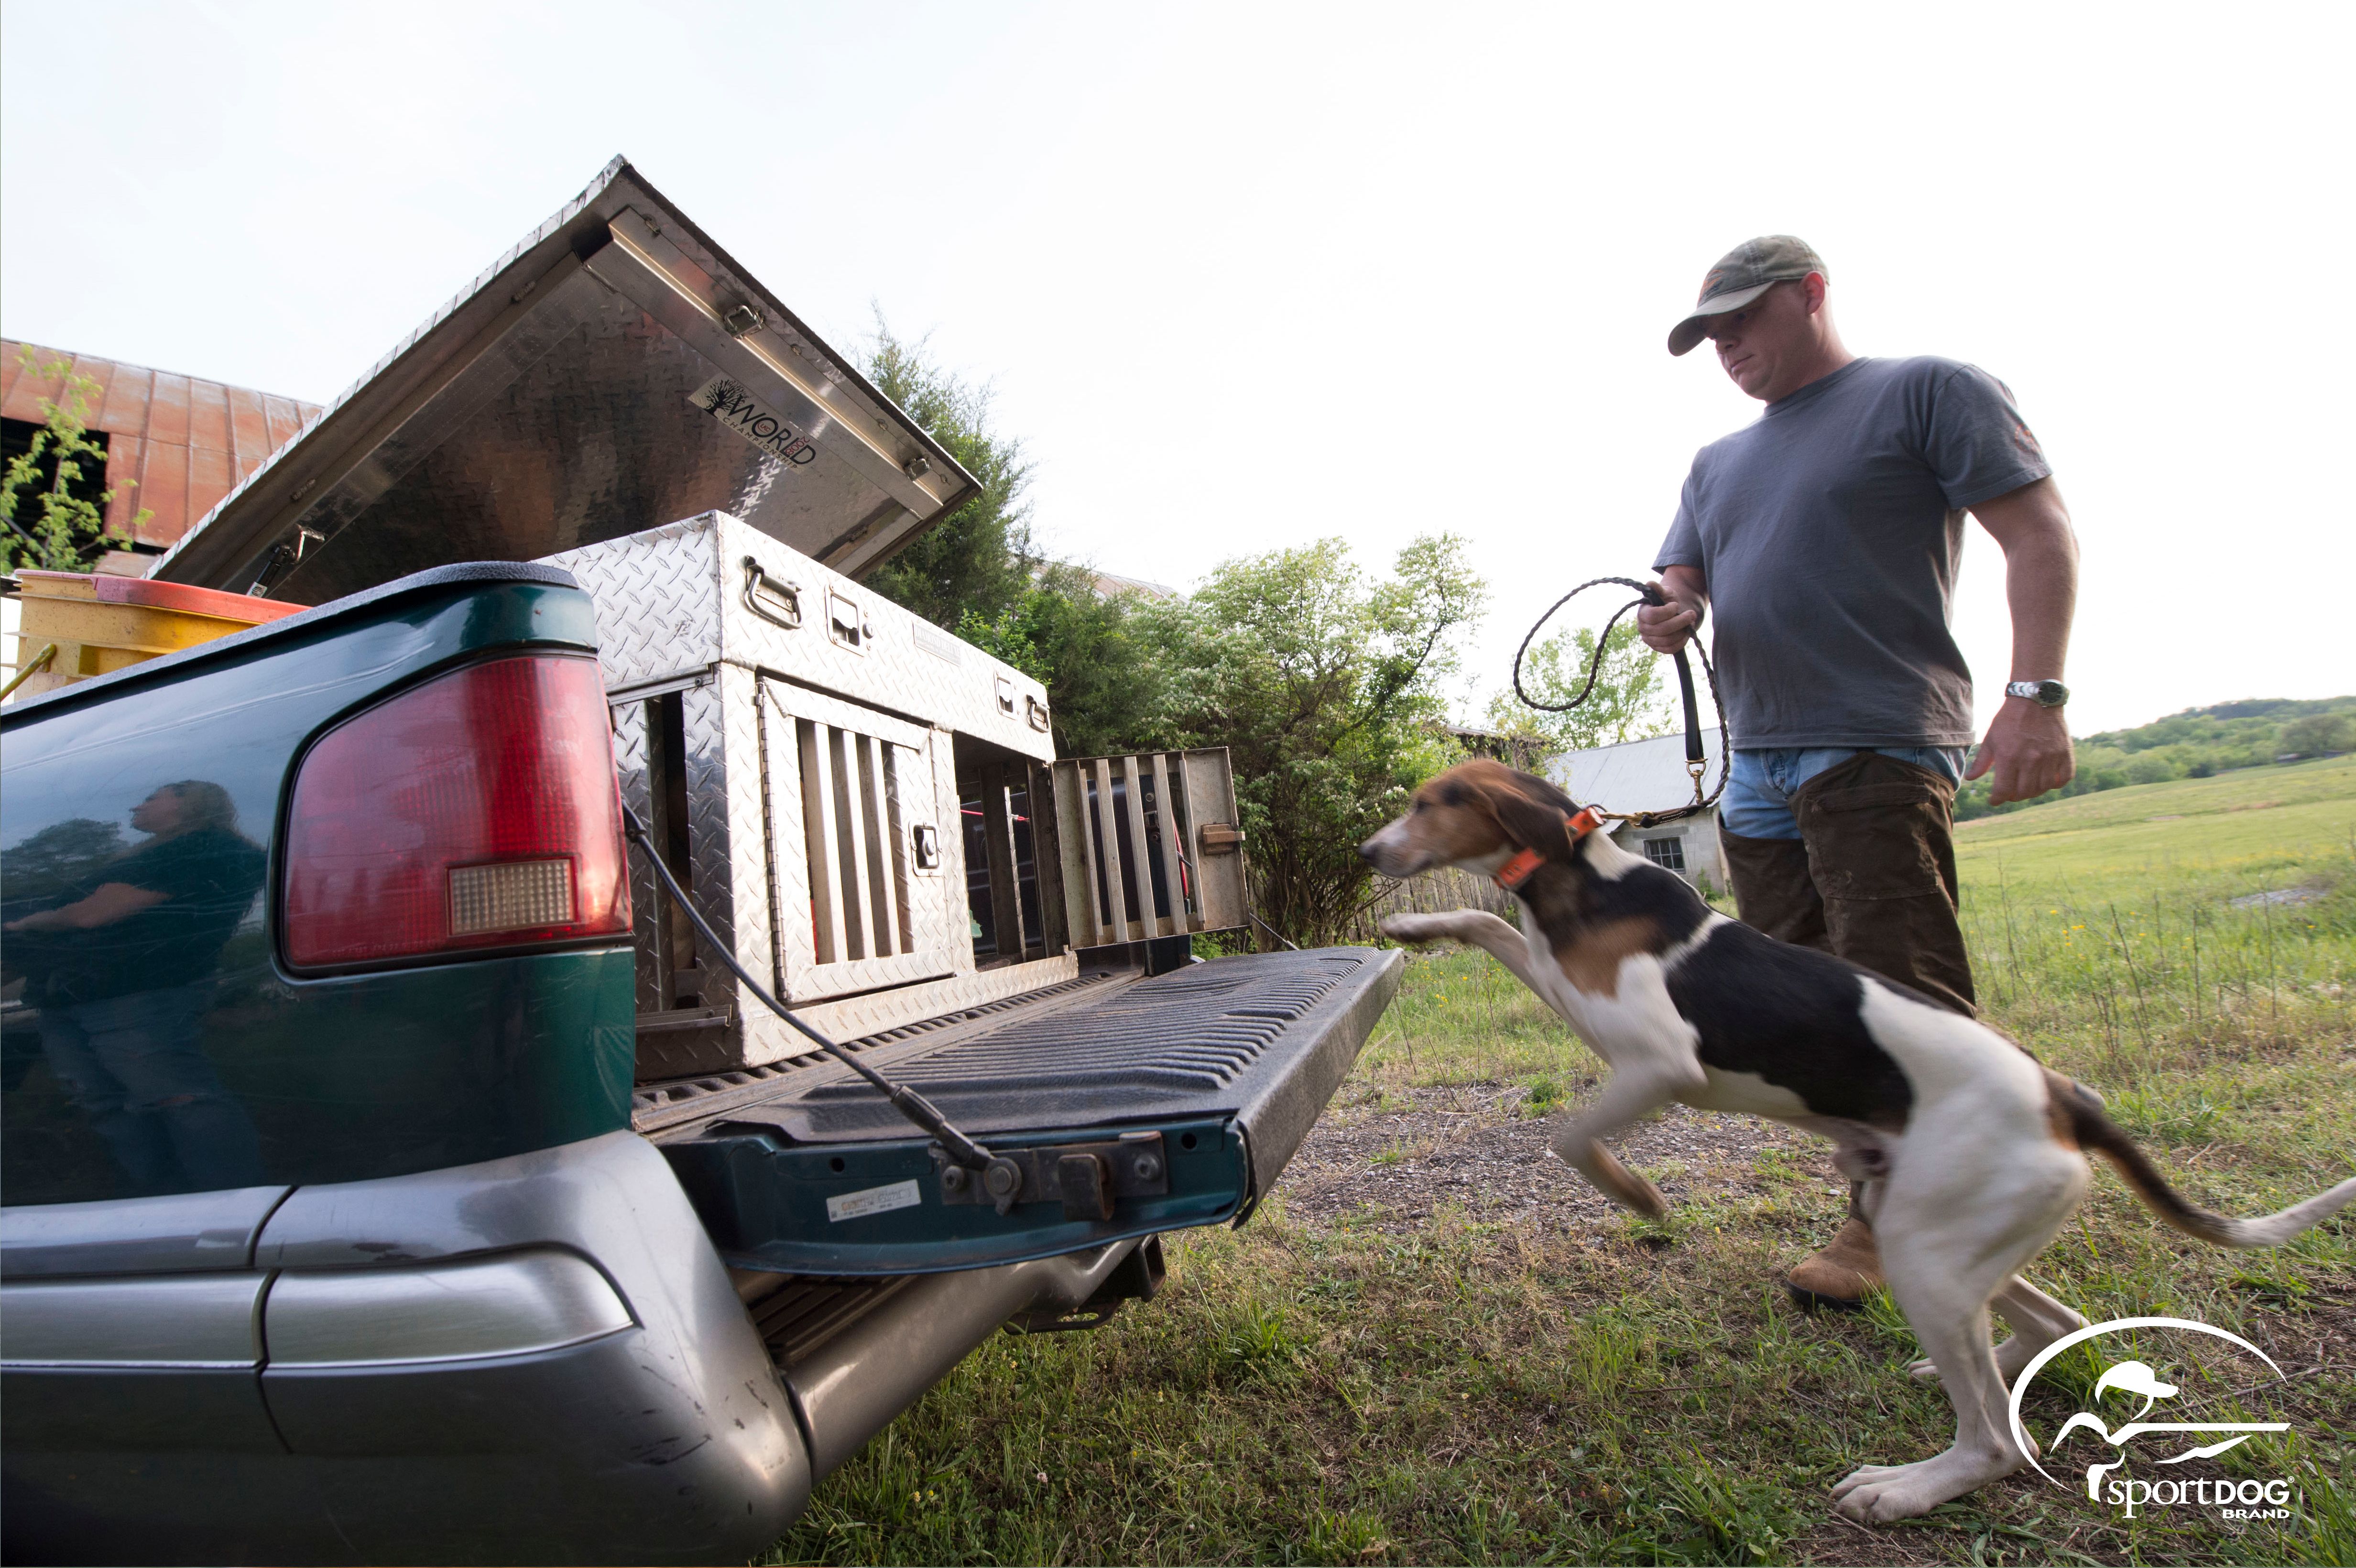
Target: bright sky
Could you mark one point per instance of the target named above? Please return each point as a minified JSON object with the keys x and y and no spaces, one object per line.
{"x":1244,"y":277}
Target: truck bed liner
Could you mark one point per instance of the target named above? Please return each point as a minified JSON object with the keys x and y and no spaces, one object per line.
{"x":661,"y":1109}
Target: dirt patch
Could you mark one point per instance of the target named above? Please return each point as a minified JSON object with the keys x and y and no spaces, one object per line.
{"x":1383,"y":1162}
{"x":2292,"y":897}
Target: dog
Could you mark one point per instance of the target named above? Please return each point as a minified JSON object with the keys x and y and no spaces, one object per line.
{"x":1970,"y":1154}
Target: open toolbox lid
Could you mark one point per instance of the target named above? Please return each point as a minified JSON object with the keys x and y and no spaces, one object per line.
{"x":615,"y":367}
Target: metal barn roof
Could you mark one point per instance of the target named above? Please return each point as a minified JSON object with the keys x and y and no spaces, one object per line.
{"x":174,"y":444}
{"x":615,"y":371}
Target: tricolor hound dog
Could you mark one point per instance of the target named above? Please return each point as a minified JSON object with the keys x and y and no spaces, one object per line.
{"x":1971,"y":1154}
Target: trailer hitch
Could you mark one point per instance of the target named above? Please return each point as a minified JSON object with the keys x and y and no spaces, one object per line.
{"x":1084,"y":1177}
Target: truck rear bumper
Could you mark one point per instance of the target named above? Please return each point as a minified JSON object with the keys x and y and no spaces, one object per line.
{"x":657,"y":1428}
{"x":395,"y":1420}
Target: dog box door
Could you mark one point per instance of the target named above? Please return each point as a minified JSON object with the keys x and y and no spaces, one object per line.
{"x":1147,"y":846}
{"x":861,"y":845}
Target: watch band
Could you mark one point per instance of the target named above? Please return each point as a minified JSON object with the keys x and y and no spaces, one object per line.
{"x":2044,"y":693}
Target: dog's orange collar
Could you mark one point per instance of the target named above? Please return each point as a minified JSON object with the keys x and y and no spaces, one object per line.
{"x":1524,"y":866}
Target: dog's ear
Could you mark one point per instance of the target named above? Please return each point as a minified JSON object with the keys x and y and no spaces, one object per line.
{"x":1546,"y":793}
{"x":1530,"y":823}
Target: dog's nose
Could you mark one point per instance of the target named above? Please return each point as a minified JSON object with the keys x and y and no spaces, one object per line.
{"x":1367,"y":850}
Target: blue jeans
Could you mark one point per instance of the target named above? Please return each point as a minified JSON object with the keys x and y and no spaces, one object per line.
{"x":1759,"y":787}
{"x":137,"y":1069}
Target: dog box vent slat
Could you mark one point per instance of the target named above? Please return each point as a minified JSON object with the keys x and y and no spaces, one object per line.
{"x":848,"y":788}
{"x":1148,"y":846}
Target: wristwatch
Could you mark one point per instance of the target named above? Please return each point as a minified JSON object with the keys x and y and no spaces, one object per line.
{"x":2044,"y":693}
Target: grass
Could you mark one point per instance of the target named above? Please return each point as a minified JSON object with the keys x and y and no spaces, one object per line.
{"x":1480,"y":1393}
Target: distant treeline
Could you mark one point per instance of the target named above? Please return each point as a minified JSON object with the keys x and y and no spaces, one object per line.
{"x":2194,"y":745}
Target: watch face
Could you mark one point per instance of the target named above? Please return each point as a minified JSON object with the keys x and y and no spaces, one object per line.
{"x":2052,"y":693}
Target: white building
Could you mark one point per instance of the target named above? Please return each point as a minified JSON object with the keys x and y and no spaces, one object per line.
{"x":1650,"y":775}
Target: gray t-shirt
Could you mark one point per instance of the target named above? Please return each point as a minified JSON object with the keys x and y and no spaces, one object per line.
{"x":1828,"y":530}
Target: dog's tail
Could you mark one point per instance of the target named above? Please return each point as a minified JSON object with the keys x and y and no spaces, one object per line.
{"x":2076,"y":1106}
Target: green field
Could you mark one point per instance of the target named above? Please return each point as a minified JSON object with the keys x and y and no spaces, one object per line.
{"x":1369,"y":1388}
{"x":2255,"y":824}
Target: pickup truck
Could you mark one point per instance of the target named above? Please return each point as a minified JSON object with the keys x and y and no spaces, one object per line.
{"x":386,"y":1176}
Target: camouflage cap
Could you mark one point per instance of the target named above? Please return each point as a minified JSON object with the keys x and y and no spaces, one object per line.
{"x":1742,"y":276}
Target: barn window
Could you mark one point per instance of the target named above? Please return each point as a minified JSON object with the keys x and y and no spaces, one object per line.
{"x":1668,"y":853}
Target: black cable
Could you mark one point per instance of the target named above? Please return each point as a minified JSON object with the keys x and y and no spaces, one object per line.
{"x":962,"y":1149}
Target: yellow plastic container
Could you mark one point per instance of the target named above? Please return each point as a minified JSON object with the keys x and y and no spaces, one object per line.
{"x":100,"y":624}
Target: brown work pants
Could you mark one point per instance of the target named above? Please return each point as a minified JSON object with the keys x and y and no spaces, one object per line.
{"x":1871,"y":877}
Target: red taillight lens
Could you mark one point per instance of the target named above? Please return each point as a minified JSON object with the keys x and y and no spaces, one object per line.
{"x":477,"y":811}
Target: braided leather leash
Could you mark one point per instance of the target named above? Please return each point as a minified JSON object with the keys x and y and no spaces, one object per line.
{"x":1696,"y":763}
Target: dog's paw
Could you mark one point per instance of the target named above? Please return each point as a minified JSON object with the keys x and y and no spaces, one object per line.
{"x":1924,"y":1372}
{"x":1416,"y":928}
{"x":1877,"y":1494}
{"x":1646,"y":1199}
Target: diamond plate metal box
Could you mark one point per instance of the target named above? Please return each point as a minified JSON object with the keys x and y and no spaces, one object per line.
{"x":787,"y":736}
{"x":683,"y":598}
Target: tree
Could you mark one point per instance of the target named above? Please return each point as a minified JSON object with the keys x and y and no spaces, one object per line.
{"x":1104,"y":657}
{"x":1630,"y":702}
{"x":979,"y":559}
{"x":63,"y":527}
{"x":1325,"y":685}
{"x":2317,"y":734}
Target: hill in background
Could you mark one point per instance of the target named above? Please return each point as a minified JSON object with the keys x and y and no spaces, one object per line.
{"x":2196,"y":744}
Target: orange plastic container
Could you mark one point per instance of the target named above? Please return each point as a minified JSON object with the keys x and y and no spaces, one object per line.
{"x":101,"y":623}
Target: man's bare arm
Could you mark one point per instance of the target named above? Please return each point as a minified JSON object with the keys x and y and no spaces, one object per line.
{"x":2025,"y":751}
{"x":1671,"y":625}
{"x":109,"y":902}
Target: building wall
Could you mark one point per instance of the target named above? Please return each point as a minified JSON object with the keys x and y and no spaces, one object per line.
{"x":1705,"y":858}
{"x":181,"y":442}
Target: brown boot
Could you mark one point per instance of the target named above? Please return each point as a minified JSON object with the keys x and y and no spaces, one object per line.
{"x":1842,"y":1274}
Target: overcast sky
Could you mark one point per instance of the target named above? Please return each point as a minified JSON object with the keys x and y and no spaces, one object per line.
{"x":1245,"y":277}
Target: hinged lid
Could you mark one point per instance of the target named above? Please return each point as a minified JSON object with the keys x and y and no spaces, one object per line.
{"x":615,"y":369}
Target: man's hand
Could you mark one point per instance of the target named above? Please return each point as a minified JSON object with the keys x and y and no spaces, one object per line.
{"x":1668,"y":627}
{"x":2026,"y":751}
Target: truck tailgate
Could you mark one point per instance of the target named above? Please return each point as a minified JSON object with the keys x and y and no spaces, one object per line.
{"x":1213,"y":1074}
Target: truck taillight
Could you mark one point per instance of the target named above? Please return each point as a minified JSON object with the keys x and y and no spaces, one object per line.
{"x":477,"y":811}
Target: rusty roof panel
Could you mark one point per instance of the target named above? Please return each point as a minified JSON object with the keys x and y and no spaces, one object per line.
{"x":174,"y":444}
{"x":249,"y":430}
{"x":288,"y":419}
{"x":168,"y":410}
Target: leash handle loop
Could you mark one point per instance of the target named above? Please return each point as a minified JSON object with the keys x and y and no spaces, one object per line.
{"x":1696,"y":759}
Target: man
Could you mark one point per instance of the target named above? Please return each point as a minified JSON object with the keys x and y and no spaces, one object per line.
{"x":121,"y":974}
{"x":1826,"y":535}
